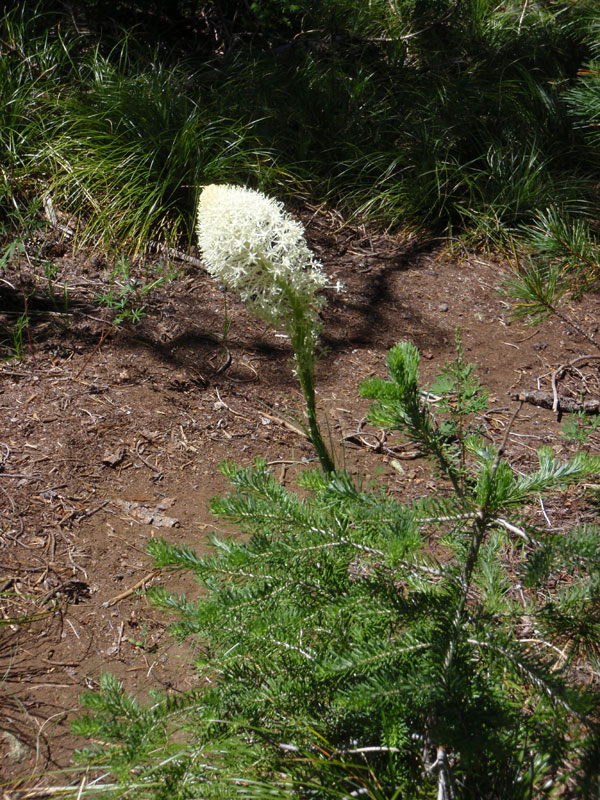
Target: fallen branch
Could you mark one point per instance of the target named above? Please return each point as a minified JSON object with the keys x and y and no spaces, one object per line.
{"x":548,"y":400}
{"x":128,"y":592}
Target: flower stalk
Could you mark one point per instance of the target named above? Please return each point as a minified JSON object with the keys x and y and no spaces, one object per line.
{"x":254,"y":247}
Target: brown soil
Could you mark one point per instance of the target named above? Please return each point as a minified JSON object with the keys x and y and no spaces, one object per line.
{"x":114,"y":434}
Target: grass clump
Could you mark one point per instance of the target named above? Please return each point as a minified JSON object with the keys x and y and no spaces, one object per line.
{"x":130,"y":147}
{"x":35,"y":60}
{"x":469,"y":117}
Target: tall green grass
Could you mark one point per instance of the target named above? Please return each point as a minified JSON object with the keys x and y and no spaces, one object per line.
{"x":132,"y":144}
{"x":451,"y":117}
{"x":35,"y":63}
{"x":120,"y":141}
{"x":468,"y":117}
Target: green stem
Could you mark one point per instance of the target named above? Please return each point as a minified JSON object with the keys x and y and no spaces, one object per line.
{"x":479,"y":530}
{"x":302,"y":336}
{"x":307,"y":384}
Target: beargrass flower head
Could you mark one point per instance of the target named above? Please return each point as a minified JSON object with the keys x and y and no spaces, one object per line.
{"x":254,"y":247}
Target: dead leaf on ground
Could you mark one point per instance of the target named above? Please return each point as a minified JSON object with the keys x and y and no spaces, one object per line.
{"x":150,"y":513}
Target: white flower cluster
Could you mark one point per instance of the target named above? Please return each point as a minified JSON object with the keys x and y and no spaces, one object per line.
{"x":253,"y":246}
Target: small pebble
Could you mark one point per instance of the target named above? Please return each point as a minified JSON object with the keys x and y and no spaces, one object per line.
{"x":17,"y":750}
{"x":443,"y":307}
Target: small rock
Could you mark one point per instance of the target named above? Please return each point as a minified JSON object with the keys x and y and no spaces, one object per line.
{"x":443,"y":307}
{"x":17,"y":750}
{"x":113,"y":459}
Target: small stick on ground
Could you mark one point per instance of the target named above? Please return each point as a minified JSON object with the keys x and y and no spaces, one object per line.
{"x":144,"y":461}
{"x":128,"y":592}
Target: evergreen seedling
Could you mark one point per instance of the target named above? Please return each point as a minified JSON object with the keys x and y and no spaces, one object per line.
{"x":351,"y":644}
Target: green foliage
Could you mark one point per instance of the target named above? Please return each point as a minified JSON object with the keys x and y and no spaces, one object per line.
{"x":570,"y":246}
{"x":469,"y":117}
{"x":350,"y":643}
{"x":131,"y":145}
{"x":579,"y":427}
{"x":12,"y":249}
{"x":19,"y":330}
{"x":402,"y":406}
{"x":436,"y":123}
{"x":583,"y":98}
{"x":561,"y":262}
{"x":127,"y":293}
{"x":32,"y":57}
{"x":537,"y":291}
{"x":584,"y":101}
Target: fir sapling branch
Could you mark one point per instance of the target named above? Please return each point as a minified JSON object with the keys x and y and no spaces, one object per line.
{"x":481,"y":522}
{"x":400,"y":406}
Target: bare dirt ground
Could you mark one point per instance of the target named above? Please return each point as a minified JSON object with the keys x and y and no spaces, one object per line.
{"x":113,"y":434}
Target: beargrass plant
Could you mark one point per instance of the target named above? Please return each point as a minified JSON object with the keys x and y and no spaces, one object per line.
{"x":354,"y":644}
{"x":253,"y":246}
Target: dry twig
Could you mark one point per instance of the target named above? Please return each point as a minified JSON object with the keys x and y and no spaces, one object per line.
{"x":128,"y":592}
